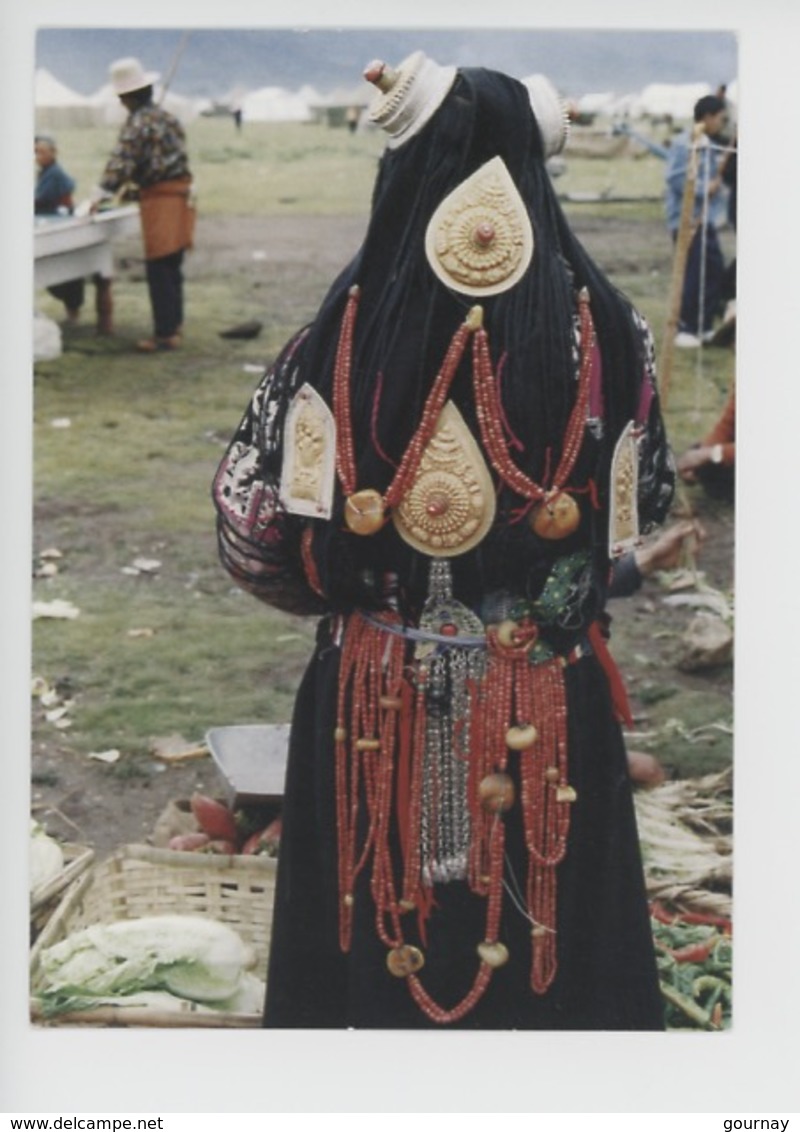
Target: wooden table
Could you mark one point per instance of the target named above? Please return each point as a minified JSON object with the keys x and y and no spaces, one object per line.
{"x":72,"y":247}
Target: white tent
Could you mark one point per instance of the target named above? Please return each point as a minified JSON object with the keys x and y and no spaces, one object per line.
{"x":58,"y":107}
{"x":661,"y":99}
{"x":600,"y":103}
{"x":275,"y":104}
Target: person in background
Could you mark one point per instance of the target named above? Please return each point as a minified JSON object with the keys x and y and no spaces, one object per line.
{"x":660,"y":553}
{"x":149,"y":161}
{"x":701,"y":300}
{"x":52,"y":196}
{"x":725,"y":334}
{"x":712,"y":462}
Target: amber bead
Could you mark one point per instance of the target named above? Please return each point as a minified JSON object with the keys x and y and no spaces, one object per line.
{"x":404,"y":961}
{"x":557,"y":517}
{"x":496,"y":793}
{"x":493,"y":953}
{"x":507,"y":634}
{"x":522,"y":737}
{"x":364,"y":512}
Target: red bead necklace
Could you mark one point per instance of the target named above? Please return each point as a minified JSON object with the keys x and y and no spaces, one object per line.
{"x":381,"y":723}
{"x":373,"y":742}
{"x":489,"y":411}
{"x":366,"y":510}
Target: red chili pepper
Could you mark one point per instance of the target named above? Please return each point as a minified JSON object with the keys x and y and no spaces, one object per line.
{"x":694,"y":952}
{"x":706,"y":918}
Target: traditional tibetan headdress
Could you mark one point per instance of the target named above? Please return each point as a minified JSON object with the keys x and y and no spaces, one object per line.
{"x":413,"y":91}
{"x":551,"y":113}
{"x":409,"y":94}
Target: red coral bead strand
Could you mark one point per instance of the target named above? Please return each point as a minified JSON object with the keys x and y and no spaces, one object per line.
{"x":489,"y":413}
{"x":345,"y":449}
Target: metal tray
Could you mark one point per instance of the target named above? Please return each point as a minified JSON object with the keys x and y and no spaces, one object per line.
{"x":252,"y":760}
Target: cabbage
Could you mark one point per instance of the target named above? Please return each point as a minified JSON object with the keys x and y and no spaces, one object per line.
{"x":46,"y":858}
{"x":190,"y":956}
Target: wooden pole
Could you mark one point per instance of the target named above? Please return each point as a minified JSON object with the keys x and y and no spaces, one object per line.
{"x":682,"y":242}
{"x":173,"y":66}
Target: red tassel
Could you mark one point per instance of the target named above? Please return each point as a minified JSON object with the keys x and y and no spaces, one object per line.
{"x":619,"y":696}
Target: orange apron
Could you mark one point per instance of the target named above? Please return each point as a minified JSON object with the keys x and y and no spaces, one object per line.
{"x":167,"y":217}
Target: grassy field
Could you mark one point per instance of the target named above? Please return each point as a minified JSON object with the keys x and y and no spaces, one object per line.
{"x":268,"y":168}
{"x":129,"y":477}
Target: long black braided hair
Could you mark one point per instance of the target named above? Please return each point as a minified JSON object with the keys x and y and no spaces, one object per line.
{"x":406,"y":320}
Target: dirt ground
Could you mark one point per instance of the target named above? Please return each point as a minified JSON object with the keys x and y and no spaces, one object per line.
{"x":81,"y":803}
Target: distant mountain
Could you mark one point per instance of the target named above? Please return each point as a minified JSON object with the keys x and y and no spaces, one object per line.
{"x":210,"y":62}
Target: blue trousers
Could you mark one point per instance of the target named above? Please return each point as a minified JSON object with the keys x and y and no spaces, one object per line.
{"x":165,"y":284}
{"x":703,"y":282}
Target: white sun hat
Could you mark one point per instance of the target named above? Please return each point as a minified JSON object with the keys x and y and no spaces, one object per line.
{"x":128,"y":75}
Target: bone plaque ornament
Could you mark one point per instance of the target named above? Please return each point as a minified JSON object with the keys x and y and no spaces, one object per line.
{"x":308,"y":470}
{"x":479,"y":240}
{"x":623,"y":525}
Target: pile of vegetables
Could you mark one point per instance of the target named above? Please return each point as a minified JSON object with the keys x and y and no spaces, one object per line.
{"x":156,"y":961}
{"x":685,"y":831}
{"x":223,"y":830}
{"x":46,"y":857}
{"x":694,"y":954}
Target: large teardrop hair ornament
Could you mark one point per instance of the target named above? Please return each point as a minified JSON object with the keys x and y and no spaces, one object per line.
{"x":479,"y":240}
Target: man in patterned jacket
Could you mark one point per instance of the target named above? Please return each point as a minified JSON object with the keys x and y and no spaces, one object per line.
{"x":149,"y":162}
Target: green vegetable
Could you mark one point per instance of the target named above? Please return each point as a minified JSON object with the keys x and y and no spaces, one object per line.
{"x":196,"y":958}
{"x":46,"y":858}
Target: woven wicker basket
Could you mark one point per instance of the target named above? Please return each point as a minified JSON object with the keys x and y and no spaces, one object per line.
{"x":45,"y":898}
{"x":141,"y":881}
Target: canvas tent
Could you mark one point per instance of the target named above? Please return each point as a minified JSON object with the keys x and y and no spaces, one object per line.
{"x":332,"y":109}
{"x":662,"y":100}
{"x":275,"y":104}
{"x":57,"y":107}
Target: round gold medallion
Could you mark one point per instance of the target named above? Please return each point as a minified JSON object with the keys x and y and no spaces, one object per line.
{"x":557,"y":517}
{"x":404,"y":961}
